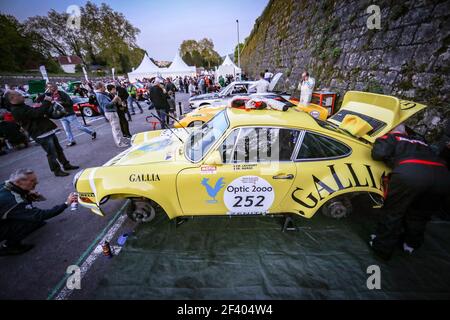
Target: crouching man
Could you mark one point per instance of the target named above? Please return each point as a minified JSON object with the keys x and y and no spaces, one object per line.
{"x":419,"y":180}
{"x":18,"y":216}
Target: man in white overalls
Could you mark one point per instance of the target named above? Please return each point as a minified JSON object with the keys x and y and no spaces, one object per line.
{"x":306,"y":88}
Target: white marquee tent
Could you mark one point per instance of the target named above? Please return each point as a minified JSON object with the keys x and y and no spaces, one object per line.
{"x":228,"y":67}
{"x":147,"y":69}
{"x":178,"y":68}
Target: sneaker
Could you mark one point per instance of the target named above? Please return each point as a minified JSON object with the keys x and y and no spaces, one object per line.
{"x":94,"y":135}
{"x":142,"y":111}
{"x":71,"y":167}
{"x":60,"y":173}
{"x":133,"y":113}
{"x":71,"y":144}
{"x":16,"y":249}
{"x":407,"y":248}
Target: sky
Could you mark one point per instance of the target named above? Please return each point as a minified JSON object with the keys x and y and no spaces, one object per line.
{"x":164,"y":24}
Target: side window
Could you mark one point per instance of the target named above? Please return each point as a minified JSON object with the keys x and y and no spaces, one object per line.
{"x":316,"y":146}
{"x":228,"y":145}
{"x":260,"y":145}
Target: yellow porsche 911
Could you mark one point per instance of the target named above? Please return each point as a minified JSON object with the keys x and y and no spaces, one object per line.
{"x":203,"y":114}
{"x":259,"y":162}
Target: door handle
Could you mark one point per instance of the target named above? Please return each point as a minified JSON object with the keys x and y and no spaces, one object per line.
{"x":283,"y":176}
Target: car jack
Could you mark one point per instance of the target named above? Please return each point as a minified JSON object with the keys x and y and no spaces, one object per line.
{"x":289,"y":224}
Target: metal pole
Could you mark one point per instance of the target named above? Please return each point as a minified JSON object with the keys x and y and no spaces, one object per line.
{"x":180,"y":110}
{"x":239,"y":49}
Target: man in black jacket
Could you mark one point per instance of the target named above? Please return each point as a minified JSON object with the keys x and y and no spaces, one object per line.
{"x":123,"y":95}
{"x":18,"y":216}
{"x":159,"y":100}
{"x":36,"y":122}
{"x":63,"y":98}
{"x":418,"y":182}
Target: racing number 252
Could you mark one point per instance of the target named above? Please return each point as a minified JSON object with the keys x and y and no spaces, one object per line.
{"x":249,"y":201}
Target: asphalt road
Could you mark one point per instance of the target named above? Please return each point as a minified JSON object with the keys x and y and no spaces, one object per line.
{"x":69,"y":238}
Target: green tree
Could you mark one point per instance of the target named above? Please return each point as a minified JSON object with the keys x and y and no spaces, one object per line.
{"x":241,"y":46}
{"x":17,"y":49}
{"x":200,"y":54}
{"x":105,"y":37}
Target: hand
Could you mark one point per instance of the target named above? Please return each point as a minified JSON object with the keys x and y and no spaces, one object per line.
{"x":47,"y":98}
{"x":73,"y":197}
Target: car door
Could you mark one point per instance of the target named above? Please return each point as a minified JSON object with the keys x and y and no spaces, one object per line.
{"x":254,"y":176}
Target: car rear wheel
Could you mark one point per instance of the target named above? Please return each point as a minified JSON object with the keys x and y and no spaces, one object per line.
{"x":337,"y":208}
{"x":141,"y":211}
{"x":88,"y":112}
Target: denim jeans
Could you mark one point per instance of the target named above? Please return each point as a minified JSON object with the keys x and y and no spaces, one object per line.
{"x":131,"y":101}
{"x":68,"y":121}
{"x":163,"y":116}
{"x":54,"y":152}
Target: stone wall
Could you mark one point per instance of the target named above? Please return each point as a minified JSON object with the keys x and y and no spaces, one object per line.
{"x":409,"y":57}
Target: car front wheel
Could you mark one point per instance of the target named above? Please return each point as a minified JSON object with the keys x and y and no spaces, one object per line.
{"x":87,"y":112}
{"x":141,"y":211}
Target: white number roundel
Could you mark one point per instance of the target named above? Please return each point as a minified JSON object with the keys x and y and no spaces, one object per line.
{"x":249,"y":195}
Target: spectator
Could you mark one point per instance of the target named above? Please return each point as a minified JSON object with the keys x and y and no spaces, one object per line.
{"x":108,"y":105}
{"x":192,"y":89}
{"x":82,"y":92}
{"x":132,"y":92}
{"x":221,"y":81}
{"x":186,"y":84}
{"x":12,"y":133}
{"x":170,"y":87}
{"x":123,"y":95}
{"x":36,"y":122}
{"x":268,"y":76}
{"x":121,"y":111}
{"x":159,"y":100}
{"x":18,"y":216}
{"x":306,"y":88}
{"x":63,"y":98}
{"x":261,"y":86}
{"x":202,"y":85}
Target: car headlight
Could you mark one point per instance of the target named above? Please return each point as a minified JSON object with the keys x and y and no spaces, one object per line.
{"x":76,"y":177}
{"x":315,"y":114}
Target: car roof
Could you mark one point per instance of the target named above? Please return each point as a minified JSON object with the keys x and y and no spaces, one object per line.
{"x":289,"y":118}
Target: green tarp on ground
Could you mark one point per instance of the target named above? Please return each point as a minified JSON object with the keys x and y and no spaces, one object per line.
{"x":250,"y":258}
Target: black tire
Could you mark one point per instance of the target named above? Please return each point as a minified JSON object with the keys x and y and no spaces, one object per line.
{"x":337,"y":208}
{"x":88,"y":112}
{"x":141,"y":211}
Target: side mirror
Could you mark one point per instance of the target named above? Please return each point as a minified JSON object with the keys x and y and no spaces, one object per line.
{"x":214,"y":159}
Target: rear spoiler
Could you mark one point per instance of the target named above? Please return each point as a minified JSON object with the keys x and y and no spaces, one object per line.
{"x":383,"y":112}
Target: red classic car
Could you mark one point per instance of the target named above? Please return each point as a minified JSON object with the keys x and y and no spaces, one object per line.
{"x":84,"y":105}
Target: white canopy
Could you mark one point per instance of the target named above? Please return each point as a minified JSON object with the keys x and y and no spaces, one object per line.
{"x":227,"y":67}
{"x":147,"y":69}
{"x":178,"y":68}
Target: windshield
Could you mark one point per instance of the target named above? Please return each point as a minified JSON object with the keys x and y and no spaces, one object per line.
{"x":201,"y":140}
{"x":227,"y":88}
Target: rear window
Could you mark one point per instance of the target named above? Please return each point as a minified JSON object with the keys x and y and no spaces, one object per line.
{"x":315,"y":146}
{"x":376,"y":124}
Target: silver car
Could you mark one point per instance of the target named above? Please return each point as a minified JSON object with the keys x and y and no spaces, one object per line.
{"x":235,"y":88}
